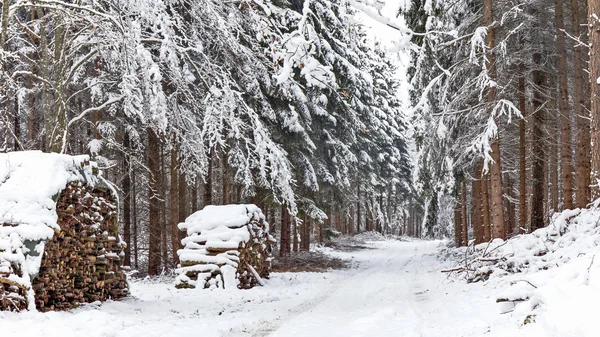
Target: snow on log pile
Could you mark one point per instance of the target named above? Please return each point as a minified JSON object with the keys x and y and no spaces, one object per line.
{"x":59,"y":244}
{"x":550,"y":277}
{"x":226,"y":246}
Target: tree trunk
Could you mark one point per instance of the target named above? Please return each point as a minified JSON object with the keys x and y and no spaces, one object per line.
{"x":563,"y":89}
{"x":497,"y":204}
{"x":284,"y":244}
{"x":582,"y":150}
{"x":458,"y":221}
{"x":522,"y":151}
{"x":135,"y":223}
{"x":226,"y":181}
{"x":594,"y":42}
{"x":538,"y":165}
{"x":476,"y":219}
{"x":164,"y":223}
{"x":208,"y":184}
{"x":174,"y":199}
{"x":485,"y":208}
{"x":463,"y":204}
{"x":154,"y":203}
{"x":126,"y":185}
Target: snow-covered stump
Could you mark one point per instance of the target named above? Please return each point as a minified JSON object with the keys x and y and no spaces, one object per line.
{"x":59,"y":245}
{"x":226,"y":246}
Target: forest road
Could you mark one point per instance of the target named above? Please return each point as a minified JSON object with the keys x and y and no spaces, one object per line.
{"x":397,"y":290}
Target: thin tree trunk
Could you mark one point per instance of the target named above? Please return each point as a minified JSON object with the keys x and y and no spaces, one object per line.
{"x":476,"y":219}
{"x":537,"y":205}
{"x":522,"y":151}
{"x":174,"y":199}
{"x":582,"y":149}
{"x":135,"y":223}
{"x":485,"y":208}
{"x":284,"y":247}
{"x":154,"y":203}
{"x":295,"y":241}
{"x":463,"y":204}
{"x":226,"y":181}
{"x":458,"y":221}
{"x":563,"y":89}
{"x":497,"y":204}
{"x":126,"y":185}
{"x":164,"y":227}
{"x":208,"y":184}
{"x":594,"y":42}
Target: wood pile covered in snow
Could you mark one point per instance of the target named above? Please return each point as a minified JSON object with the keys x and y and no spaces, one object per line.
{"x":226,"y":246}
{"x":59,"y":244}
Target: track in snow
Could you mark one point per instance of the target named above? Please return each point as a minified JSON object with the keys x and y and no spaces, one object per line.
{"x":396,"y":289}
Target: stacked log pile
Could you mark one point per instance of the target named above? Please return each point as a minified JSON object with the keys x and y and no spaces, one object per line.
{"x":13,"y":295}
{"x":235,"y":253}
{"x":82,"y":262}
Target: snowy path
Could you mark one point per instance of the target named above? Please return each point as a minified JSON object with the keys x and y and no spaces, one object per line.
{"x":395,"y":289}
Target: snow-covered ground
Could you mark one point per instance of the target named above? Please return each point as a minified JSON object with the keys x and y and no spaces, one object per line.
{"x":394,"y":289}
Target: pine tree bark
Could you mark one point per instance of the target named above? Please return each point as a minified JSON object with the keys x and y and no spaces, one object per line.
{"x":463,"y":204}
{"x":485,"y":208}
{"x":135,"y":222}
{"x":476,"y":219}
{"x":284,"y":242}
{"x":208,"y":184}
{"x":582,"y":168}
{"x":594,"y":64}
{"x":174,"y":199}
{"x":497,"y":202}
{"x":226,"y":180}
{"x":126,"y":186}
{"x":522,"y":150}
{"x":154,"y":203}
{"x":563,"y":90}
{"x":164,"y":223}
{"x":458,"y":221}
{"x":538,"y":164}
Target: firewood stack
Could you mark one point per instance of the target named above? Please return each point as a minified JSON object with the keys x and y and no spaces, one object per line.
{"x":13,"y":296}
{"x":226,"y":246}
{"x":82,"y":262}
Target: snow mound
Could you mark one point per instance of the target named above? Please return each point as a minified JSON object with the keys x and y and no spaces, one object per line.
{"x":30,"y":182}
{"x":370,"y":236}
{"x":549,"y":279}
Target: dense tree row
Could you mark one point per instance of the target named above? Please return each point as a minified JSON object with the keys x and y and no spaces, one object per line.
{"x":502,"y":98}
{"x":186,"y":103}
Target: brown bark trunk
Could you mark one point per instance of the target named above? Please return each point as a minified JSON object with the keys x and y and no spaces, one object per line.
{"x":284,"y":244}
{"x":485,"y":208}
{"x":154,"y":203}
{"x":135,"y":222}
{"x":563,"y":89}
{"x":126,"y":185}
{"x":476,"y":219}
{"x":164,"y":224}
{"x":582,"y":149}
{"x":594,"y":42}
{"x":510,"y":208}
{"x":497,"y":204}
{"x":463,"y":204}
{"x":538,"y":165}
{"x":226,"y":181}
{"x":174,"y":199}
{"x":522,"y":152}
{"x":458,"y":224}
{"x":208,"y":184}
{"x":295,"y":242}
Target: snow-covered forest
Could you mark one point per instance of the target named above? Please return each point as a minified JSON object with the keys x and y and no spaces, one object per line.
{"x":277,"y":146}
